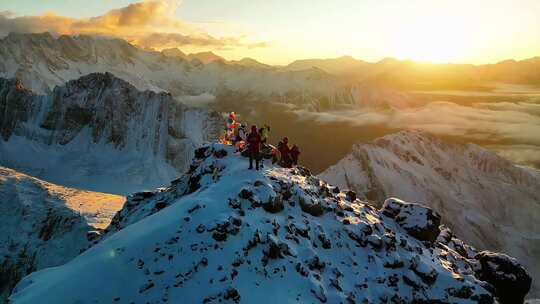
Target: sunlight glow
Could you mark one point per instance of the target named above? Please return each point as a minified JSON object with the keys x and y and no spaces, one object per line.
{"x":278,"y":32}
{"x":434,"y":39}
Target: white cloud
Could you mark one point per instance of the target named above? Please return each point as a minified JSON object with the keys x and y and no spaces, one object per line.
{"x":149,"y":24}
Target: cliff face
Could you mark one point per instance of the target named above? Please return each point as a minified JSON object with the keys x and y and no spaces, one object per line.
{"x":103,"y":121}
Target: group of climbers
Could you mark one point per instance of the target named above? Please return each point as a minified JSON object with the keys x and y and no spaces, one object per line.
{"x":288,"y":155}
{"x":255,"y":144}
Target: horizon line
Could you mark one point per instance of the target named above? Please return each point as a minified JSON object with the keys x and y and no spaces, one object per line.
{"x":213,"y":51}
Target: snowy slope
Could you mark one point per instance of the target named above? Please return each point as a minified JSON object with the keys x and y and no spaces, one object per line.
{"x":45,"y":225}
{"x":222,"y":233}
{"x":488,"y":201}
{"x":100,"y":133}
{"x":42,"y":61}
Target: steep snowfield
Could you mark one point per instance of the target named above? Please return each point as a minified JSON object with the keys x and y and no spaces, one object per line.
{"x":44,"y":225}
{"x":100,"y":133}
{"x":487,"y":201}
{"x":222,"y":233}
{"x":42,"y":62}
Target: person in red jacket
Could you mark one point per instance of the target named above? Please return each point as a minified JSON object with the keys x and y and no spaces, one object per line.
{"x":254,"y":147}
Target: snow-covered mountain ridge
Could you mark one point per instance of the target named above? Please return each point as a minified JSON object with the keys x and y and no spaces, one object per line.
{"x":488,"y":201}
{"x":222,"y":233}
{"x":99,"y":132}
{"x":44,"y":225}
{"x":42,"y":62}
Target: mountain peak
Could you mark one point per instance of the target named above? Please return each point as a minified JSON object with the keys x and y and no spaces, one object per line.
{"x":250,"y":62}
{"x":240,"y":233}
{"x":206,"y":57}
{"x":174,"y":52}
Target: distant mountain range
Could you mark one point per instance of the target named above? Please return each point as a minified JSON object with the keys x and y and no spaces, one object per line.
{"x":403,"y":74}
{"x":410,"y":75}
{"x":42,"y":61}
{"x":207,"y":57}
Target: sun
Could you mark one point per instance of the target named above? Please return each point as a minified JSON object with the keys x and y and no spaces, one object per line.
{"x":437,"y":38}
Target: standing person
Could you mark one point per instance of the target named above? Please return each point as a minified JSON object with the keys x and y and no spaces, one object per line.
{"x":231,"y":127}
{"x":295,"y":152}
{"x":284,"y":150}
{"x":254,"y":147}
{"x":265,"y":132}
{"x":240,"y":137}
{"x":241,"y":132}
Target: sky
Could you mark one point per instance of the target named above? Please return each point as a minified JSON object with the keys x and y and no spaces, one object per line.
{"x":280,"y":31}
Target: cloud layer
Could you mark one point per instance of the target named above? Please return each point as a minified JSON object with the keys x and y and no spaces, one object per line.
{"x":511,"y":129}
{"x":149,"y":24}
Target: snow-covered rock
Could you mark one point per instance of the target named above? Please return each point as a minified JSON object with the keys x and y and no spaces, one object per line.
{"x":100,"y":133}
{"x":419,"y":221}
{"x":222,"y":233}
{"x":44,"y":225}
{"x":487,"y":201}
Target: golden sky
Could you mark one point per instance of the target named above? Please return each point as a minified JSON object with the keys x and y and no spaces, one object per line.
{"x":278,"y":32}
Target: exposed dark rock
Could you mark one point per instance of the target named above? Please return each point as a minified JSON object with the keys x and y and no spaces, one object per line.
{"x":300,"y":170}
{"x":350,"y":196}
{"x":274,"y":205}
{"x":232,"y":294}
{"x":160,"y":205}
{"x":201,"y":153}
{"x":245,"y":194}
{"x":220,"y":153}
{"x":15,"y":106}
{"x":419,"y":221}
{"x":510,"y":279}
{"x":315,"y":209}
{"x":139,"y":196}
{"x":93,"y":235}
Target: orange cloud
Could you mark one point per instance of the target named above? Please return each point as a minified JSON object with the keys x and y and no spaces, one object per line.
{"x":149,"y":24}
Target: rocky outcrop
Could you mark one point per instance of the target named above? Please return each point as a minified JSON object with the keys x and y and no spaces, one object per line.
{"x":418,"y":220}
{"x":16,"y":105}
{"x":510,"y":280}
